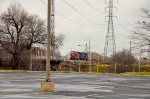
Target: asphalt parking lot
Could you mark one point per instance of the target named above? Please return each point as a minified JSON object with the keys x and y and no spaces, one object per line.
{"x":74,"y":86}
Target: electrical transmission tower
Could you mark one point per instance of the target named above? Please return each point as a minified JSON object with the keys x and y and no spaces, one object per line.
{"x":110,"y":46}
{"x":53,"y":45}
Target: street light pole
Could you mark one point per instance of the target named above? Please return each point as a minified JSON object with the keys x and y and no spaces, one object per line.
{"x":89,"y":54}
{"x":48,"y":42}
{"x":48,"y":85}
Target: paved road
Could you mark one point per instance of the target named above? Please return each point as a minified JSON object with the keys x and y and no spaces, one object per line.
{"x":74,"y":86}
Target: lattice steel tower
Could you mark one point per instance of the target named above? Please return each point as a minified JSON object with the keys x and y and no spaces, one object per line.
{"x":110,"y":46}
{"x":53,"y":45}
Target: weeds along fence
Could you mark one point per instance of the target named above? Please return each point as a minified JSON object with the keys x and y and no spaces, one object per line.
{"x":102,"y":68}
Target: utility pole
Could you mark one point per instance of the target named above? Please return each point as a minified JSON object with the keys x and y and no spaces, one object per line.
{"x":110,"y":45}
{"x":53,"y":45}
{"x":130,"y":47}
{"x":130,"y":52}
{"x":86,"y":48}
{"x":86,"y":51}
{"x":48,"y":85}
{"x":48,"y":42}
{"x":90,"y":56}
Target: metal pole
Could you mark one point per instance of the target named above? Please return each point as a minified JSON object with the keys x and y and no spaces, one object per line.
{"x":140,"y":61}
{"x":130,"y":47}
{"x":80,"y":66}
{"x":130,"y":59}
{"x":115,"y":68}
{"x":31,"y":59}
{"x":86,"y":51}
{"x":48,"y":42}
{"x":134,"y":69}
{"x":90,"y":56}
{"x":98,"y":58}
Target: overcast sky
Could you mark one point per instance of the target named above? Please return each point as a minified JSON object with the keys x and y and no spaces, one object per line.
{"x":83,"y":21}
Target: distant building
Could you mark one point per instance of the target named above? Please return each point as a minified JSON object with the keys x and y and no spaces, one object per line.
{"x":37,"y":54}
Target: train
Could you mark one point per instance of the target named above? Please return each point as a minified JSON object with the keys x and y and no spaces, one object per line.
{"x":75,"y":55}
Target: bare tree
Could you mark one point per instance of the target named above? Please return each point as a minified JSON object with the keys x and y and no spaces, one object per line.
{"x":123,"y":57}
{"x":19,"y":31}
{"x":141,"y":36}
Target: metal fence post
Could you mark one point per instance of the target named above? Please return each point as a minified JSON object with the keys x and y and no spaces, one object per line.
{"x":60,"y":68}
{"x":70,"y":67}
{"x":79,"y":66}
{"x":97,"y":67}
{"x":115,"y":68}
{"x":134,"y":69}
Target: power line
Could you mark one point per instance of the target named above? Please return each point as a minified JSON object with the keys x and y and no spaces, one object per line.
{"x":67,"y":3}
{"x":71,"y":19}
{"x":84,"y":11}
{"x":43,"y":2}
{"x":120,"y":31}
{"x":125,"y":14}
{"x":101,"y":1}
{"x":128,"y":18}
{"x":123,"y":27}
{"x":87,"y":2}
{"x":124,"y":19}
